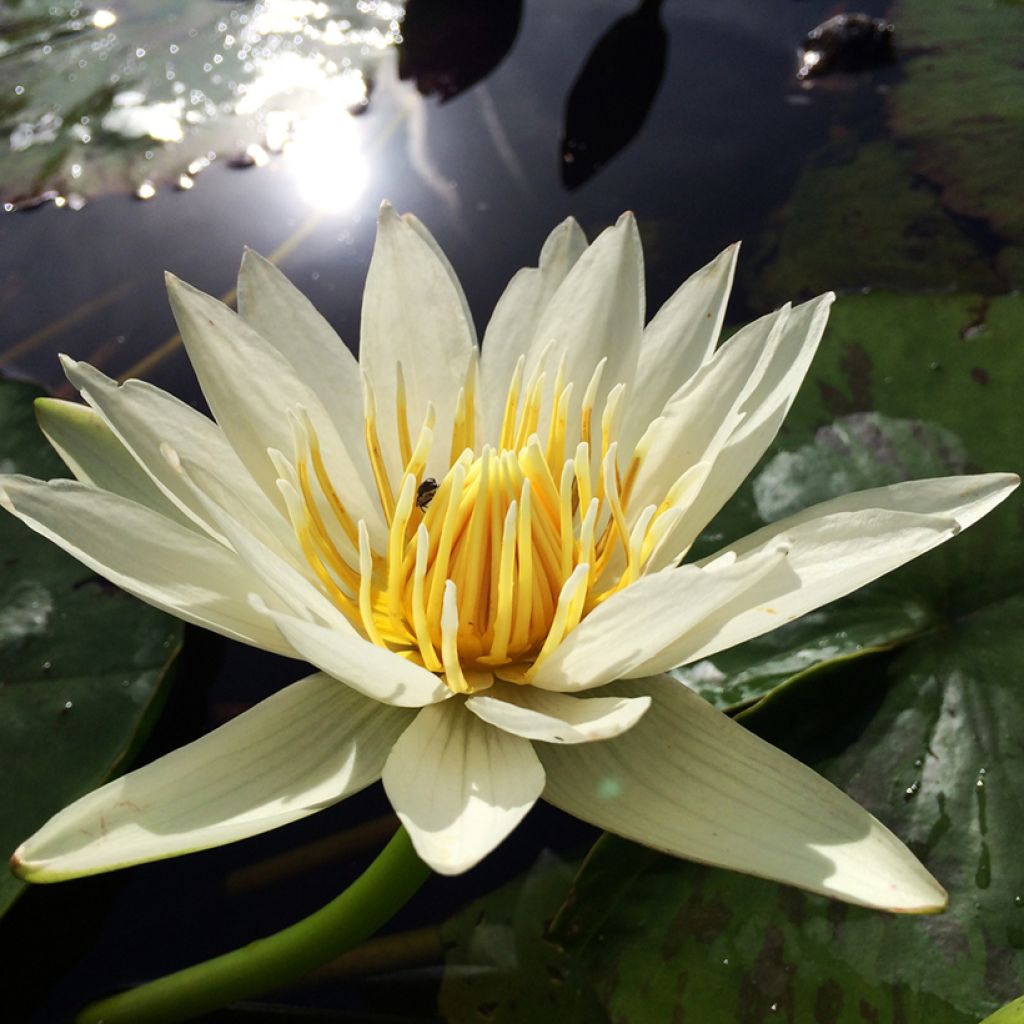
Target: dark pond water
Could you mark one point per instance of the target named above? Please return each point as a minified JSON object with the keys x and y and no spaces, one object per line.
{"x":694,"y":111}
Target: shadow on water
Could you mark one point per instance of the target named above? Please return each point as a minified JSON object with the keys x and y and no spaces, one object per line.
{"x":613,"y":94}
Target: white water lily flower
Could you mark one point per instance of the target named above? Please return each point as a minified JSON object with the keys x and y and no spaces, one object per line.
{"x":466,"y":544}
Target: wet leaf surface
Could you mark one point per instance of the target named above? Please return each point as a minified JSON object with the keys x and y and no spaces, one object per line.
{"x":959,"y":104}
{"x":926,"y":735}
{"x":83,"y":667}
{"x":142,"y":94}
{"x":858,"y":218}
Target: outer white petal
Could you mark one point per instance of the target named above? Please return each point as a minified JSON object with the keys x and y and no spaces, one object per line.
{"x":691,"y":782}
{"x":373,"y":671}
{"x":632,"y":626}
{"x":299,"y":751}
{"x":144,"y":418}
{"x":282,"y":576}
{"x":511,"y":328}
{"x":460,"y":786}
{"x":165,"y":564}
{"x":251,"y":387}
{"x":765,"y":409}
{"x":288,"y":320}
{"x":702,"y":415}
{"x":415,"y":315}
{"x":679,"y":341}
{"x":93,"y":452}
{"x":597,"y":312}
{"x":556,"y":717}
{"x":835,"y":548}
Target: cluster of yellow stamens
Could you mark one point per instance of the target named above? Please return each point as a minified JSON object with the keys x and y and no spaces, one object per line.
{"x":489,"y":571}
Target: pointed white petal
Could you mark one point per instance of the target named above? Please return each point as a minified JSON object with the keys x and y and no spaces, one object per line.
{"x":765,"y":409}
{"x":251,"y":387}
{"x":691,"y":782}
{"x":679,"y":341}
{"x":460,"y":786}
{"x":282,"y":315}
{"x":556,"y":717}
{"x":373,"y":671}
{"x":301,"y":750}
{"x":632,"y":626}
{"x":701,"y":416}
{"x":596,"y":313}
{"x":512,"y":326}
{"x":165,"y":564}
{"x":93,"y":452}
{"x":415,"y":315}
{"x":144,"y":418}
{"x":835,"y":548}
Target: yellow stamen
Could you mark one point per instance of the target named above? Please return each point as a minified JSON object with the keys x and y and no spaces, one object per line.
{"x":402,"y":416}
{"x":373,"y":449}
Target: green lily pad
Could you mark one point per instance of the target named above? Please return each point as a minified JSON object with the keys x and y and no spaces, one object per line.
{"x":83,"y":666}
{"x":894,"y":232}
{"x":960,"y":104}
{"x":499,"y":966}
{"x":928,"y":735}
{"x":140,"y":93}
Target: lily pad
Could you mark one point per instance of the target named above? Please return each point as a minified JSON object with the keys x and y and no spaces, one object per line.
{"x":960,"y":104}
{"x":138,"y":94}
{"x":858,"y":218}
{"x":83,"y":667}
{"x":500,"y":968}
{"x":928,"y":735}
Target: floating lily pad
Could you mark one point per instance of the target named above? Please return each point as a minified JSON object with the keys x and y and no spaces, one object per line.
{"x":501,"y":968}
{"x":858,"y":218}
{"x":83,"y":666}
{"x":144,"y":93}
{"x":927,"y":735}
{"x":960,"y":104}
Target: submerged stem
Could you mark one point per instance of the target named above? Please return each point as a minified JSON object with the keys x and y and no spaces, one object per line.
{"x":370,"y":901}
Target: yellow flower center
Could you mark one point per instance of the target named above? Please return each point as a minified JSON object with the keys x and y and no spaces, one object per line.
{"x":489,"y":568}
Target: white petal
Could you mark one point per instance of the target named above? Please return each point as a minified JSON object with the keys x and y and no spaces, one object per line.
{"x":167,"y":565}
{"x":513,"y":324}
{"x":93,"y":452}
{"x":144,"y":418}
{"x":281,"y":575}
{"x":250,"y":388}
{"x":556,"y":717}
{"x":596,"y":313}
{"x":460,"y":786}
{"x":373,"y":671}
{"x":414,"y":314}
{"x":295,"y":753}
{"x":282,"y":315}
{"x":835,"y":548}
{"x":689,"y":781}
{"x":701,"y":416}
{"x":765,"y":410}
{"x":632,"y":626}
{"x":679,"y":341}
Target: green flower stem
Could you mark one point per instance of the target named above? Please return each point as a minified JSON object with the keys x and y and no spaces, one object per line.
{"x":370,"y":901}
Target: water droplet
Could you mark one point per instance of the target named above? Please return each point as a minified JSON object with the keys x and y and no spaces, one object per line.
{"x":1018,"y":901}
{"x":47,"y":665}
{"x":911,"y":791}
{"x":773,"y":1007}
{"x":725,"y":960}
{"x":146,"y":190}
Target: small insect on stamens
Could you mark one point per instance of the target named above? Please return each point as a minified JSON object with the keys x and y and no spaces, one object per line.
{"x":425,"y":492}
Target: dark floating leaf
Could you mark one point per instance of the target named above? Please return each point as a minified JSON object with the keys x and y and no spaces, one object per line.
{"x":449,"y":45}
{"x":83,"y":666}
{"x":614,"y":92}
